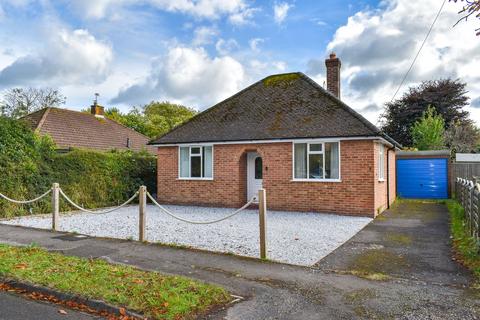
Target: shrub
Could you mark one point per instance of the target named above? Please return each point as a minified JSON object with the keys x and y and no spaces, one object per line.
{"x":29,"y":165}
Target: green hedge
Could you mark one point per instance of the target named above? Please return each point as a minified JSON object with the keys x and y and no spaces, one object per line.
{"x":29,"y":165}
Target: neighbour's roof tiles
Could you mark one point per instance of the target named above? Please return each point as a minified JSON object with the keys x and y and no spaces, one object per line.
{"x":73,"y":129}
{"x":285,"y":106}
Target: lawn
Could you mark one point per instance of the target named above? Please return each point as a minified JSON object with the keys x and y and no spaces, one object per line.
{"x":155,"y":295}
{"x":466,"y":247}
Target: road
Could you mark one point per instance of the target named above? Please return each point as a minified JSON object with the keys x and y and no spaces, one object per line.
{"x":14,"y":307}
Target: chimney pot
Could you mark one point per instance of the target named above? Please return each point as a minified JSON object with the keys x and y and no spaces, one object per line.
{"x":333,"y":65}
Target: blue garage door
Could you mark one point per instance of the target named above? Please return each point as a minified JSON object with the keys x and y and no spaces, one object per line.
{"x":422,"y":178}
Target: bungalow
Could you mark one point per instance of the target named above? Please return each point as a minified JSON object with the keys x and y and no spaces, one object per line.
{"x":73,"y":129}
{"x":285,"y":133}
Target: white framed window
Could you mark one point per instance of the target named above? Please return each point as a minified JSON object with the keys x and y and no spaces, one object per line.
{"x":195,"y":162}
{"x":316,"y":161}
{"x":381,"y":163}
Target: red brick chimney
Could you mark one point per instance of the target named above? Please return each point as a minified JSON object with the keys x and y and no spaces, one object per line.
{"x":333,"y":74}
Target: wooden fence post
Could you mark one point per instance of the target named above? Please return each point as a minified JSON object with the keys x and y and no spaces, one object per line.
{"x":142,"y":203}
{"x":262,"y":210}
{"x":55,"y":206}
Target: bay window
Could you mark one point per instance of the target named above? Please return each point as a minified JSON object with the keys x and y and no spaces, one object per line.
{"x":196,"y":162}
{"x":316,"y":161}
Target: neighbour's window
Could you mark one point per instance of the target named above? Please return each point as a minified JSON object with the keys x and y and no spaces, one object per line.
{"x":381,"y":163}
{"x":196,"y":162}
{"x":317,"y":161}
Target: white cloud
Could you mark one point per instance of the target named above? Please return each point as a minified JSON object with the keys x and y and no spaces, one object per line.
{"x":98,"y":9}
{"x":204,"y":35}
{"x":243,"y":16}
{"x":280,"y":11}
{"x":224,"y":47}
{"x":67,"y":57}
{"x":189,"y":76}
{"x":255,"y":42}
{"x":377,"y":47}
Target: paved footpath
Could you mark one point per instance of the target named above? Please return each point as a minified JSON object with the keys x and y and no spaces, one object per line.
{"x":408,"y":248}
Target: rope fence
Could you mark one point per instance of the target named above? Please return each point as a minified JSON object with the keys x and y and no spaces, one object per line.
{"x":25,"y":201}
{"x":143,"y":194}
{"x":168,"y":212}
{"x":93,"y":211}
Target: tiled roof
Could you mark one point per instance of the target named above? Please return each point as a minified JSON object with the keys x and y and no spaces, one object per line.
{"x":73,"y":129}
{"x":283,"y":106}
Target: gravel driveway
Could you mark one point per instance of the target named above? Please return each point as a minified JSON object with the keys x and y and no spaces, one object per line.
{"x":292,"y":237}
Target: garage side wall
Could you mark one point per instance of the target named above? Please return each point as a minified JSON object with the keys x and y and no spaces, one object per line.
{"x":354,"y":195}
{"x":381,"y":191}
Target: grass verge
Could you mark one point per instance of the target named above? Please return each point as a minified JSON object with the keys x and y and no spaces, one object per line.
{"x":155,"y":295}
{"x":466,"y":247}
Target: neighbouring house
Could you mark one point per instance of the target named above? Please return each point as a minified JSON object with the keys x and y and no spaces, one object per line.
{"x":73,"y":129}
{"x":287,"y":134}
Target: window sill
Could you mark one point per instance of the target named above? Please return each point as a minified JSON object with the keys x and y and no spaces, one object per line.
{"x":381,"y":180}
{"x":196,"y":179}
{"x":316,"y":180}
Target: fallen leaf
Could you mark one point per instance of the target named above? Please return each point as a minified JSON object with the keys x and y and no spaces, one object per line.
{"x":122,"y":311}
{"x":165,"y":304}
{"x":61,"y":311}
{"x":139,"y":281}
{"x":21,"y":266}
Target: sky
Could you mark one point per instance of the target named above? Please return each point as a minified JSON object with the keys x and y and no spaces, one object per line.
{"x":199,"y":52}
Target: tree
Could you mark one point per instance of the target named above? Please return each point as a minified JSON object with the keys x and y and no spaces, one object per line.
{"x":428,"y":132}
{"x":133,"y":119}
{"x":164,"y":116}
{"x":153,"y":119}
{"x":18,"y":102}
{"x":472,"y":7}
{"x":447,"y":96}
{"x":462,"y":137}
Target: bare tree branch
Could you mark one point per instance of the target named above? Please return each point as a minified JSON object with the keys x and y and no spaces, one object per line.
{"x":472,"y":7}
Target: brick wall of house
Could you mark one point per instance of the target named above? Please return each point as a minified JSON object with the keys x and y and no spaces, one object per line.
{"x":354,"y":195}
{"x":381,"y":186}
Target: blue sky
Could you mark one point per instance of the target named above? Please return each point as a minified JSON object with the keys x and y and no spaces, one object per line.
{"x":198,"y":52}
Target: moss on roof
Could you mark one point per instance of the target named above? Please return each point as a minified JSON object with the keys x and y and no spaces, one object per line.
{"x":281,"y":79}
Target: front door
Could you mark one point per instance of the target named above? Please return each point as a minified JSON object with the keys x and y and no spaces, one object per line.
{"x":254,"y":174}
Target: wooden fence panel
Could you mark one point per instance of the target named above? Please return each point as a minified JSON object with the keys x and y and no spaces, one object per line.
{"x":466,"y":170}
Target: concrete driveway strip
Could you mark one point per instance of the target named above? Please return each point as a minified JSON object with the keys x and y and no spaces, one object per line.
{"x":329,"y":291}
{"x":13,"y":307}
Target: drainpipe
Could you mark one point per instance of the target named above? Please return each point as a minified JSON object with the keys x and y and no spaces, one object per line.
{"x":388,"y":177}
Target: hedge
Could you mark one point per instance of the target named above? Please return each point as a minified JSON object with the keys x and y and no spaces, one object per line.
{"x":29,"y":165}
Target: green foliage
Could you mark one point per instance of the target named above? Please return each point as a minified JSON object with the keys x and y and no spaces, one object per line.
{"x":155,"y":295}
{"x":153,"y":119}
{"x":462,"y":137}
{"x":447,"y":96}
{"x":466,"y":247}
{"x":428,"y":132}
{"x":29,"y":165}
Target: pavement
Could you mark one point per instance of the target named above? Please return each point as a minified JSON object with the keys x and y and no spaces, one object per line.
{"x":14,"y":307}
{"x":399,"y":266}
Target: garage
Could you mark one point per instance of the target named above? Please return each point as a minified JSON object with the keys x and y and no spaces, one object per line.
{"x":423,"y":174}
